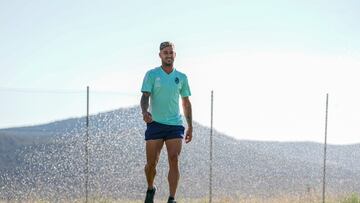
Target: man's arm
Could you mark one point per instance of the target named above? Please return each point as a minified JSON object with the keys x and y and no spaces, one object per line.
{"x":188,"y":116}
{"x":144,"y":103}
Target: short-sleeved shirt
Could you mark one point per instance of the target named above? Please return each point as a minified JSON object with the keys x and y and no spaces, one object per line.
{"x":165,"y":90}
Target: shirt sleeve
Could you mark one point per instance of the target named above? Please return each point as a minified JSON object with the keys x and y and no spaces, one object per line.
{"x":148,"y":83}
{"x":185,"y":89}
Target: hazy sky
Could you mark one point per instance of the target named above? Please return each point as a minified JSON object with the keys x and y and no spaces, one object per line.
{"x":270,"y":63}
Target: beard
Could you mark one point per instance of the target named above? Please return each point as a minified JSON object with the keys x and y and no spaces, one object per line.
{"x":168,"y":62}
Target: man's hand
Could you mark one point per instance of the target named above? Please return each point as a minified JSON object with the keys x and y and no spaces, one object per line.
{"x":188,"y":135}
{"x":147,"y":117}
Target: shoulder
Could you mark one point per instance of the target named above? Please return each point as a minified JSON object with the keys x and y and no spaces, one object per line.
{"x":180,"y":74}
{"x":152,"y":72}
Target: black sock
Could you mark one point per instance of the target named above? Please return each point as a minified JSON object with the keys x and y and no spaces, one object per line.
{"x":171,"y":198}
{"x":151,"y":189}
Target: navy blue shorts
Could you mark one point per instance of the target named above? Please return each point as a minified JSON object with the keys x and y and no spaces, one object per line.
{"x":155,"y":130}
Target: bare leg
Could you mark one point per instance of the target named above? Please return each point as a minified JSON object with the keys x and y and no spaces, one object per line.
{"x":153,"y":149}
{"x":173,"y":147}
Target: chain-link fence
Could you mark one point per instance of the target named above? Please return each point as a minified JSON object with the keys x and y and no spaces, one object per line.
{"x":45,"y":157}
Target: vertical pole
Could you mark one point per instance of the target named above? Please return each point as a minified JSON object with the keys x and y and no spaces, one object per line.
{"x":325,"y":145}
{"x":308,"y":189}
{"x":87,"y":146}
{"x":211,"y":147}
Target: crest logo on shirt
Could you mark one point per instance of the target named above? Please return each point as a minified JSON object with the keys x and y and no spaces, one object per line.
{"x":177,"y":80}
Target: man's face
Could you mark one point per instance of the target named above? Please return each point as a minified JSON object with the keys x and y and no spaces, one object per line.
{"x":167,"y":55}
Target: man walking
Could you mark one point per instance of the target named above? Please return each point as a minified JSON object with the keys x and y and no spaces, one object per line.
{"x":163,"y":86}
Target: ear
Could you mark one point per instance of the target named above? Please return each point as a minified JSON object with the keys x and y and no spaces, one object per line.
{"x":160,"y":54}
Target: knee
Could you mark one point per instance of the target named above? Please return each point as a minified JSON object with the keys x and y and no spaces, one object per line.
{"x":173,"y":158}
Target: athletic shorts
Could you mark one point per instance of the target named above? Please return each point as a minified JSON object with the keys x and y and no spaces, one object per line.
{"x":155,"y":130}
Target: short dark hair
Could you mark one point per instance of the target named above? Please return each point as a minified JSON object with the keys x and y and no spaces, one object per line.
{"x":166,"y":44}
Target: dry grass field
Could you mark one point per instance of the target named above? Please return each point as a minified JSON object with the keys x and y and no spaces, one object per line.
{"x":353,"y":198}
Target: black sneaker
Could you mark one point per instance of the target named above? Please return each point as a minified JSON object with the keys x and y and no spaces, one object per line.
{"x":150,"y":195}
{"x":171,"y":200}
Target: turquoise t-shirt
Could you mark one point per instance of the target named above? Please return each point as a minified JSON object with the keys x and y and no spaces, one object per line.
{"x":165,"y":90}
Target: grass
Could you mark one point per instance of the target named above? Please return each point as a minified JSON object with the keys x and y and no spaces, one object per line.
{"x":352,"y":198}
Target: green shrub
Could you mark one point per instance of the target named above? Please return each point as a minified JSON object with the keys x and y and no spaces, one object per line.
{"x":354,"y":198}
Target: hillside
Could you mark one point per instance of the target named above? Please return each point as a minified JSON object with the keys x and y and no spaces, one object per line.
{"x":47,"y":162}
